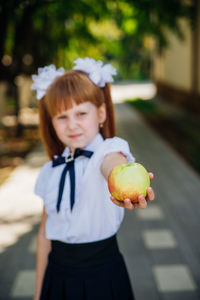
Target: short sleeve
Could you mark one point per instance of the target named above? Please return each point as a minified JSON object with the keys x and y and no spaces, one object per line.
{"x":111,"y":145}
{"x":41,"y":181}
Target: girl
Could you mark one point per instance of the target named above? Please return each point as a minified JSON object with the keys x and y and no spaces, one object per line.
{"x":77,"y":251}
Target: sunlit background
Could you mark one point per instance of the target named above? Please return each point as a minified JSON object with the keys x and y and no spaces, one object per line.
{"x":147,"y":41}
{"x":155,"y":47}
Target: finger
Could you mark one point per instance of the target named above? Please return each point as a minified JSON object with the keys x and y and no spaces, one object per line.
{"x":117,"y":202}
{"x":142,"y":203}
{"x":128,"y":204}
{"x":150,"y":194}
{"x":151,"y":175}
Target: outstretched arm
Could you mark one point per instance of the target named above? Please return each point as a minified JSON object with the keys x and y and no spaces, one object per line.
{"x":110,"y":161}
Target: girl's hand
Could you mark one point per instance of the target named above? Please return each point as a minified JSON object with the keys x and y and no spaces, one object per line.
{"x":142,"y":201}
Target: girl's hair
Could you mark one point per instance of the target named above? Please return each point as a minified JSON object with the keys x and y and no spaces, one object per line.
{"x":73,"y":86}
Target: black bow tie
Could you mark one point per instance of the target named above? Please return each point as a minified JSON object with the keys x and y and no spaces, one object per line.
{"x":69,"y":160}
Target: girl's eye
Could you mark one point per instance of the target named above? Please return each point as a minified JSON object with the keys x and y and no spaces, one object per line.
{"x":82,"y":113}
{"x":61,"y":117}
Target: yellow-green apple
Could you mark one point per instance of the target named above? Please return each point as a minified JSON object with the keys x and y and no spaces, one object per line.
{"x":128,"y":181}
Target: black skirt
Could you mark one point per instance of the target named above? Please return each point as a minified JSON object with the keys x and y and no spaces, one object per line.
{"x":90,"y":271}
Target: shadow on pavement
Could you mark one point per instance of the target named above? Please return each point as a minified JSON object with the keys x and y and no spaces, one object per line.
{"x":17,"y":267}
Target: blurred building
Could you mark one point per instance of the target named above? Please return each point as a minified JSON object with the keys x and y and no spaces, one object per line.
{"x":176,"y":71}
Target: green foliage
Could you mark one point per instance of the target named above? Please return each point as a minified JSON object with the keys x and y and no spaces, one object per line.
{"x":59,"y":31}
{"x":147,"y":107}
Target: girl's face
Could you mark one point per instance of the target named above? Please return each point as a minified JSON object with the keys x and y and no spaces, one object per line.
{"x":77,"y":126}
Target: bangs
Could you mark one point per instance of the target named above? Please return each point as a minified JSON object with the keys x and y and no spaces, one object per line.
{"x":74,"y":86}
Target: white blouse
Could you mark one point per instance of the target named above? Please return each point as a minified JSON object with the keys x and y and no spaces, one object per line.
{"x":94,"y":216}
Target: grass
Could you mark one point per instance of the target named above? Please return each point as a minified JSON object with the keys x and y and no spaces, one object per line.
{"x":180,"y":129}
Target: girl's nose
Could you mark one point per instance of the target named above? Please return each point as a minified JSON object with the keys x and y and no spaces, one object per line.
{"x":72,"y":124}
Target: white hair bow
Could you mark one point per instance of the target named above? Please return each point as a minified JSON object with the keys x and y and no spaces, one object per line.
{"x":45,"y":77}
{"x":98,"y":73}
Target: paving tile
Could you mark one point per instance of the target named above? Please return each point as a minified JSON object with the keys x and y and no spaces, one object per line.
{"x":153,"y":212}
{"x":24,"y":284}
{"x":158,"y":239}
{"x":173,"y":278}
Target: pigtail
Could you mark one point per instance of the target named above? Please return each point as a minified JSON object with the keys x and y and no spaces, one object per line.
{"x":108,"y":129}
{"x":52,"y":144}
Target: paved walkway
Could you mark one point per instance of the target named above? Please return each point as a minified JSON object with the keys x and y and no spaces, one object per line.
{"x":160,"y":244}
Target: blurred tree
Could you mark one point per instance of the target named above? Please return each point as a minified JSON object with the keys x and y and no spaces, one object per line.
{"x":144,"y":23}
{"x":38,"y":32}
{"x":35,"y":33}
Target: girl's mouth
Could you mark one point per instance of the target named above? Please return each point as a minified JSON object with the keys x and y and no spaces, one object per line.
{"x":74,"y":136}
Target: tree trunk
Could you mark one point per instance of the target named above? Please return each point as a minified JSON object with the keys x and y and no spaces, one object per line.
{"x":13,"y":93}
